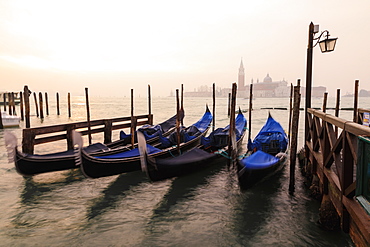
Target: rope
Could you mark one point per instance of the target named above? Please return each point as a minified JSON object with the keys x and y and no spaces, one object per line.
{"x":171,"y":152}
{"x":223,"y":153}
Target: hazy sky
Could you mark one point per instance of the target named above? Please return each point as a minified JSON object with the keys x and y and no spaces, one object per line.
{"x":113,"y":46}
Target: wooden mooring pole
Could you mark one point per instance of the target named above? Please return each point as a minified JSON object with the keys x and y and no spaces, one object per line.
{"x":213,"y":106}
{"x":182,"y":104}
{"x":250,"y":111}
{"x":41,"y":106}
{"x":294,"y":136}
{"x":228,"y":105}
{"x":26,"y":95}
{"x":10,"y":104}
{"x":36,"y":104}
{"x":13,"y":104}
{"x":133,"y":120}
{"x":88,"y":114}
{"x":69,"y":105}
{"x":232,"y":138}
{"x":1,"y":122}
{"x":21,"y":105}
{"x":337,"y":104}
{"x":57,"y":96}
{"x":290,"y":110}
{"x":178,"y":121}
{"x":355,"y":103}
{"x":4,"y":100}
{"x":150,"y":106}
{"x":325,"y":102}
{"x":47,"y":103}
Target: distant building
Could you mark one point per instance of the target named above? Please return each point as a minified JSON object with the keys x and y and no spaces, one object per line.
{"x":265,"y":89}
{"x":315,"y":91}
{"x":268,"y":88}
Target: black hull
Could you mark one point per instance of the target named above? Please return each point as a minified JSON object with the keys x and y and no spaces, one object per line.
{"x":249,"y":177}
{"x":30,"y":165}
{"x":162,"y":169}
{"x":96,"y":167}
{"x":192,"y":161}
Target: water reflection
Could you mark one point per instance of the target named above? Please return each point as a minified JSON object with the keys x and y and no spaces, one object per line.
{"x":35,"y":187}
{"x":253,"y":207}
{"x":114,"y":193}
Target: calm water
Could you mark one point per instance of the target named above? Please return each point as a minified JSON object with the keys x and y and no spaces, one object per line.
{"x":202,"y":209}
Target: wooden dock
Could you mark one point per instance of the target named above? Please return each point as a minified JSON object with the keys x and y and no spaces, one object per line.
{"x":333,"y":158}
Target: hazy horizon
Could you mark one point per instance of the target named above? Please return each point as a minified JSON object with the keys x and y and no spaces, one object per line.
{"x":113,"y":46}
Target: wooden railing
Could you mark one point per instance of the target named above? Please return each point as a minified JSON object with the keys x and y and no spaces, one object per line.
{"x":331,"y":149}
{"x":40,"y":135}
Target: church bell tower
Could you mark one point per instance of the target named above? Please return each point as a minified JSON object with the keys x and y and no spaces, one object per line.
{"x":241,"y":77}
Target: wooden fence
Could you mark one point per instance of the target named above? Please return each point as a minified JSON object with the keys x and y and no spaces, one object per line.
{"x":331,"y":149}
{"x":40,"y":135}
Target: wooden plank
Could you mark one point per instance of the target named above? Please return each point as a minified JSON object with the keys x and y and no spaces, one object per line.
{"x":358,"y":216}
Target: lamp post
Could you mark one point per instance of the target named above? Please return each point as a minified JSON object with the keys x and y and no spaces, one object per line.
{"x":326,"y":45}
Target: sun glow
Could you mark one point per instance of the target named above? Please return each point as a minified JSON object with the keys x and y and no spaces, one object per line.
{"x":84,"y":35}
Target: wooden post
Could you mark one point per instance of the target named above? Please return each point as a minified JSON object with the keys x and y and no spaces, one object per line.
{"x":290,"y":111}
{"x":250,"y":111}
{"x":107,"y":131}
{"x":4,"y":96}
{"x":1,"y":122}
{"x":69,"y":136}
{"x":36,"y":105}
{"x":10,"y":104}
{"x":26,"y":96}
{"x":21,"y":105}
{"x":228,"y":105}
{"x":178,"y":121}
{"x":182,"y":104}
{"x":88,"y":114}
{"x":355,"y":103}
{"x":325,"y":101}
{"x":132,"y":119}
{"x":69,"y":105}
{"x":41,"y":106}
{"x":337,"y":109}
{"x":47,"y":103}
{"x":13,"y":103}
{"x":150,"y":107}
{"x":231,"y":148}
{"x":58,"y":112}
{"x":293,"y":143}
{"x":28,"y":141}
{"x":214,"y":106}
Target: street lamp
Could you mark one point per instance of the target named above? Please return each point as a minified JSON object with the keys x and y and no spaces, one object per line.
{"x":326,"y":45}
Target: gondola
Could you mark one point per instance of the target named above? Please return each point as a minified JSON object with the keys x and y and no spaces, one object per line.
{"x":212,"y":147}
{"x":266,"y":154}
{"x":122,"y":161}
{"x":32,"y":164}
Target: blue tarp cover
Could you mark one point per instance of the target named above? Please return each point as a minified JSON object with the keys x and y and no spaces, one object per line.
{"x":272,"y":130}
{"x":131,"y":153}
{"x":189,"y":133}
{"x":259,"y":160}
{"x":219,"y":137}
